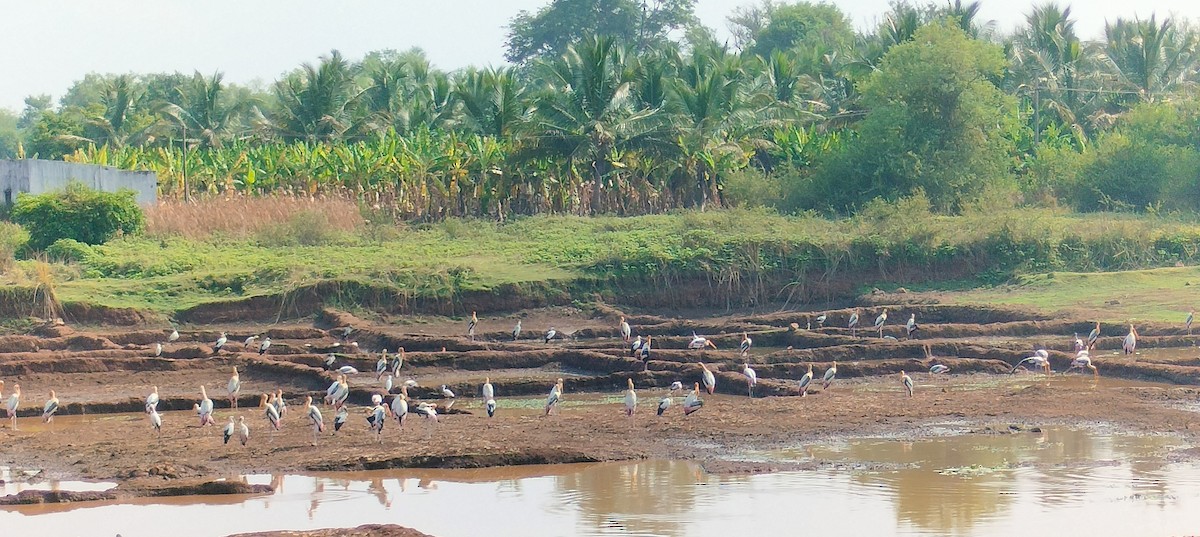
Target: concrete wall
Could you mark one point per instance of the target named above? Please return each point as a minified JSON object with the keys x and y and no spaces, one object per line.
{"x":41,"y":176}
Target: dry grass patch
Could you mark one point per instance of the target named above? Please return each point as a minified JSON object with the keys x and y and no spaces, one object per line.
{"x":240,"y":216}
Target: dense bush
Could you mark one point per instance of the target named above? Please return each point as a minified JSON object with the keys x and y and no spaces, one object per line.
{"x":12,"y":239}
{"x":69,"y":251}
{"x":78,"y":213}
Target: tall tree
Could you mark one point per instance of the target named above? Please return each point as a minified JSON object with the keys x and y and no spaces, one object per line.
{"x":201,"y":110}
{"x":1149,"y":57}
{"x":806,"y":25}
{"x":317,"y":102}
{"x":587,"y":111}
{"x":639,"y":24}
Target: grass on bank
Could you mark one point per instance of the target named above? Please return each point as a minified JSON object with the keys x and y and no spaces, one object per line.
{"x":213,"y":252}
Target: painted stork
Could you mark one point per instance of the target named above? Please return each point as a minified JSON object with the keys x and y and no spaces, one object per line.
{"x":1040,"y":359}
{"x":174,"y":336}
{"x":228,"y":431}
{"x":1093,"y":336}
{"x":266,"y":344}
{"x":744,"y":348}
{"x":156,"y":420}
{"x":243,"y":430}
{"x":554,"y":397}
{"x":339,"y":419}
{"x":880,"y":321}
{"x":10,"y":406}
{"x":376,"y":418}
{"x":1079,"y":345}
{"x":269,"y":411}
{"x":676,"y":386}
{"x":381,"y":365}
{"x":626,"y":331}
{"x":471,"y":326}
{"x":821,"y":320}
{"x":550,"y":334}
{"x":314,"y":418}
{"x":1187,"y":323}
{"x":853,"y":324}
{"x":220,"y":343}
{"x":664,"y":404}
{"x":630,"y":398}
{"x":516,"y":331}
{"x":397,"y":362}
{"x":636,"y":347}
{"x":234,"y":388}
{"x":710,"y":380}
{"x":938,"y":369}
{"x":50,"y":408}
{"x":348,"y":370}
{"x":400,"y":408}
{"x":428,"y":411}
{"x":280,"y":404}
{"x":490,"y":405}
{"x":751,"y":378}
{"x":1083,"y":360}
{"x":645,"y":357}
{"x":249,"y":341}
{"x":1130,"y":343}
{"x":700,"y":342}
{"x":205,"y":408}
{"x":488,"y":391}
{"x":157,"y":349}
{"x":911,"y":326}
{"x":692,"y":402}
{"x":341,"y":393}
{"x":152,"y":400}
{"x":830,"y":374}
{"x":908,"y":383}
{"x":805,"y":381}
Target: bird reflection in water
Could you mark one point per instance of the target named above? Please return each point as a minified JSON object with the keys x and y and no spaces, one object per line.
{"x":427,"y":484}
{"x":376,"y":488}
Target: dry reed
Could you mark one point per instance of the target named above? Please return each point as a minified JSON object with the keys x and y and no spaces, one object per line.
{"x":243,"y":216}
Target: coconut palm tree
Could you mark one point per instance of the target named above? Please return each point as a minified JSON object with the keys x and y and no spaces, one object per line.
{"x":316,"y":103}
{"x":1150,"y":58}
{"x":201,"y":110}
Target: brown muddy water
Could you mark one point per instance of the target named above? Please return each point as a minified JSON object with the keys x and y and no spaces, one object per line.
{"x":1067,"y":482}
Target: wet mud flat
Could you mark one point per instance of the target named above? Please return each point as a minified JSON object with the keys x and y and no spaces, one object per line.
{"x":102,"y":376}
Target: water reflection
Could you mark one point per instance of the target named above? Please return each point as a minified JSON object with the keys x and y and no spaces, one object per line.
{"x":1057,"y":481}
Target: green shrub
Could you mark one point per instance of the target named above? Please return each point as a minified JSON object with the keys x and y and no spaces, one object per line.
{"x":69,"y":250}
{"x":305,"y":228}
{"x":78,"y":213}
{"x":750,"y":187}
{"x":12,"y":239}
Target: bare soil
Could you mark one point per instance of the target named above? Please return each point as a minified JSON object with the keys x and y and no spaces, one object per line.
{"x":102,"y":376}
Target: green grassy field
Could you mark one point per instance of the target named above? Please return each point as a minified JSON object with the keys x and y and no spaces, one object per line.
{"x":1164,"y":294}
{"x":1004,"y":257}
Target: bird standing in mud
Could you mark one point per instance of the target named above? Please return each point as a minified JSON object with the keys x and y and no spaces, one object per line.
{"x":911,"y":326}
{"x":908,"y":383}
{"x":880,"y":321}
{"x":228,"y":431}
{"x":939,"y":369}
{"x":710,"y":380}
{"x":243,"y":430}
{"x":1040,"y":359}
{"x":234,"y":388}
{"x":152,"y":400}
{"x":830,"y":374}
{"x":489,"y":397}
{"x":471,"y":326}
{"x":397,"y":362}
{"x":1187,"y":323}
{"x":220,"y":343}
{"x":751,"y":378}
{"x":10,"y":406}
{"x":270,"y":411}
{"x":744,"y":348}
{"x":805,"y":381}
{"x":1130,"y":343}
{"x":636,"y":347}
{"x":853,"y":324}
{"x":821,"y":320}
{"x":157,"y":350}
{"x":1083,"y":360}
{"x":555,"y":396}
{"x":204,"y":408}
{"x":447,"y":394}
{"x":266,"y":344}
{"x":516,"y":331}
{"x":700,"y":342}
{"x":664,"y":404}
{"x":626,"y":331}
{"x":381,"y":365}
{"x":339,"y":396}
{"x":1093,"y":336}
{"x":692,"y":402}
{"x":550,"y":334}
{"x":249,"y":341}
{"x":174,"y":336}
{"x":314,"y":418}
{"x":376,"y":417}
{"x":50,"y":408}
{"x":340,"y":418}
{"x":1079,"y":345}
{"x":400,"y":407}
{"x":630,"y":399}
{"x":156,"y":420}
{"x":645,"y":351}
